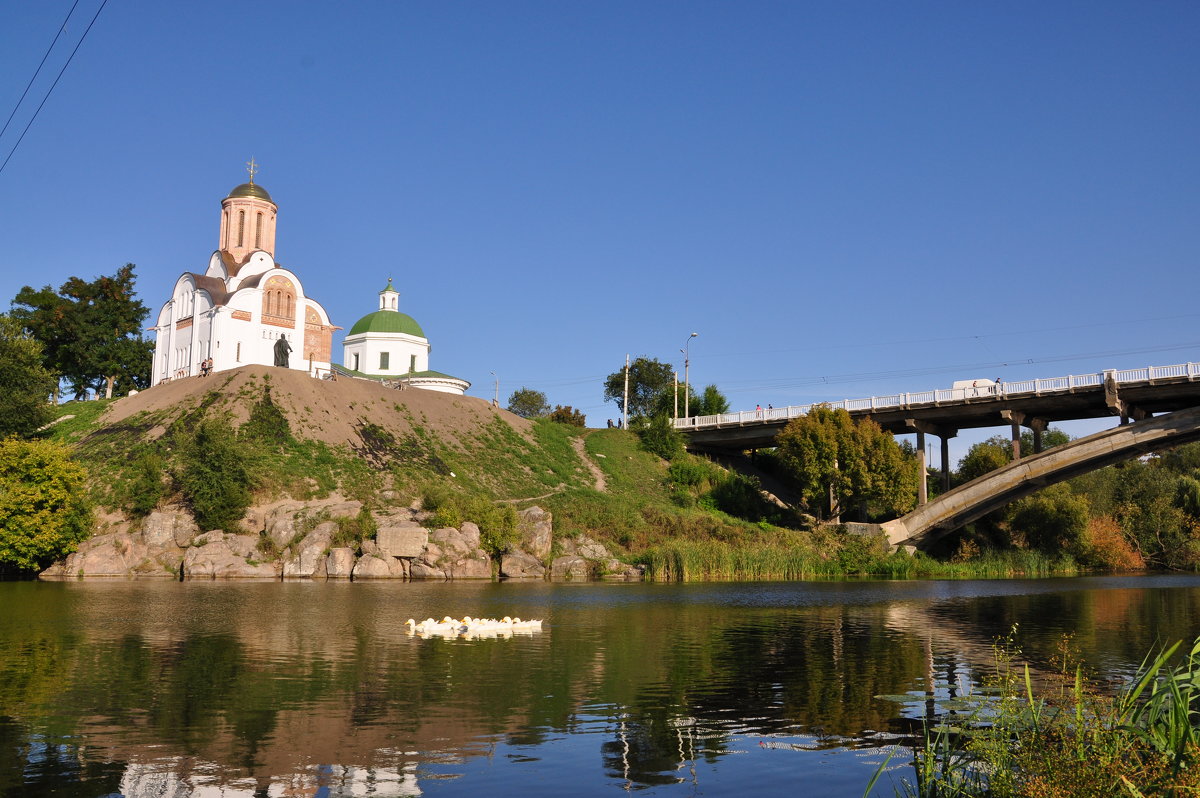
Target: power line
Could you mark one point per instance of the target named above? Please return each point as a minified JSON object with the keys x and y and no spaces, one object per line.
{"x":38,"y":71}
{"x":52,"y":85}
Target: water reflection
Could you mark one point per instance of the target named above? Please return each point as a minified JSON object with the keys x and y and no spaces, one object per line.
{"x":197,"y":689}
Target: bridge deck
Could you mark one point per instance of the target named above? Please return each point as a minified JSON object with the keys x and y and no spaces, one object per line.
{"x":1153,"y":389}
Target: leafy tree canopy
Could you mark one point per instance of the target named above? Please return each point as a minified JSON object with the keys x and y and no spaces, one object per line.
{"x":651,"y":386}
{"x":712,"y":403}
{"x":90,"y":331}
{"x":826,"y":451}
{"x":996,"y":452}
{"x":43,"y":509}
{"x":25,"y":400}
{"x":568,"y":415}
{"x":528,"y":403}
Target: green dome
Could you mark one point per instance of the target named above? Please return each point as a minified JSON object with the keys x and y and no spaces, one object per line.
{"x":250,"y":190}
{"x":387,"y":321}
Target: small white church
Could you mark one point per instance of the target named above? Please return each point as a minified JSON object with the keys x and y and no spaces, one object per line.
{"x":247,"y":309}
{"x":237,"y":311}
{"x":390,"y":345}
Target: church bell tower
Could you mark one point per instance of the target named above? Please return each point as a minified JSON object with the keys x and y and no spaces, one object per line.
{"x":248,"y":219}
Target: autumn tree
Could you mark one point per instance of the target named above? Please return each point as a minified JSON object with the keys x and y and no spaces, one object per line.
{"x":25,"y":400}
{"x":650,"y":387}
{"x":838,"y":463}
{"x":528,"y":403}
{"x":90,"y":331}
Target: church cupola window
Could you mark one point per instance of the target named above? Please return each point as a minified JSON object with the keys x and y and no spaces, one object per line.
{"x":383,"y":361}
{"x":412,"y":363}
{"x":258,"y":232}
{"x":241,"y":228}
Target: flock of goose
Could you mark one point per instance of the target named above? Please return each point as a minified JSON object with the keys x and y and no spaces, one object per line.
{"x":472,"y":627}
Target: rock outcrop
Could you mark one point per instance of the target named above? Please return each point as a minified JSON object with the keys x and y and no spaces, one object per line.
{"x":296,"y":541}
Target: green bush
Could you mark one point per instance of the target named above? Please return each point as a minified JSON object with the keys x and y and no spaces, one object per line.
{"x":147,"y":486}
{"x":213,"y":475}
{"x":658,"y":436}
{"x":267,"y":423}
{"x":352,"y":531}
{"x":43,"y":509}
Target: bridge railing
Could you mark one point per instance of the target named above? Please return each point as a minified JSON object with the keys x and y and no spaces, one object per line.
{"x":938,"y":396}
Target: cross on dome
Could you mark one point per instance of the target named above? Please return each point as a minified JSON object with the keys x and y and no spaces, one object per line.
{"x":252,"y":168}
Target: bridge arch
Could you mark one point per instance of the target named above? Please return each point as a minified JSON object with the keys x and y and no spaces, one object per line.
{"x":968,"y":502}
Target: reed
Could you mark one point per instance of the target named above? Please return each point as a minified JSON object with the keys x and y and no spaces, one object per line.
{"x":1068,"y":739}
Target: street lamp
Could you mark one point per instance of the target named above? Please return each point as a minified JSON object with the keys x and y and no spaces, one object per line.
{"x":496,"y":401}
{"x":687,"y":345}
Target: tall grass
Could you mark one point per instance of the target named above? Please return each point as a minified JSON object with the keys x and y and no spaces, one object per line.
{"x":1068,"y":739}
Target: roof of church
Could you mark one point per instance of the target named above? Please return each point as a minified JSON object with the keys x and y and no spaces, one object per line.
{"x":250,"y":190}
{"x":387,"y":321}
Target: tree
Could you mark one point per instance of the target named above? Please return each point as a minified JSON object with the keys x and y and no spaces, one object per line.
{"x":568,"y":415}
{"x":836,"y":462}
{"x":90,"y":331}
{"x":25,"y":400}
{"x":528,"y":403}
{"x":650,"y":385}
{"x":984,"y":457}
{"x":43,"y":509}
{"x":712,"y":403}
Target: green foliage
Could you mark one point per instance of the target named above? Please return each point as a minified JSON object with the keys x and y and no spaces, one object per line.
{"x":1053,"y":520}
{"x":825,"y":450}
{"x":568,"y":415}
{"x":25,"y":399}
{"x":353,"y":530}
{"x":267,"y":424}
{"x":528,"y":403}
{"x":650,"y":385}
{"x":43,"y":509}
{"x":1058,"y":736}
{"x":712,"y":403}
{"x":659,"y":436}
{"x":91,"y":331}
{"x":497,"y":522}
{"x":984,"y":457}
{"x":147,"y":486}
{"x":213,"y":475}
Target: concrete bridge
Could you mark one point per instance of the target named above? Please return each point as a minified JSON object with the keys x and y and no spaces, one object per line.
{"x":1130,"y":394}
{"x":1022,"y":477}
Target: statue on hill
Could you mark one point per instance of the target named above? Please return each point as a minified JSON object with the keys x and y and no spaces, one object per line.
{"x":282,"y":349}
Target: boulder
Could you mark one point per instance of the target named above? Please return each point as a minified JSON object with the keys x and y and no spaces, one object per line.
{"x":402,"y":539}
{"x":340,"y":563}
{"x":114,"y":554}
{"x":216,"y":560}
{"x":307,"y":558}
{"x":520,"y":565}
{"x":570,"y":568}
{"x":245,"y":546}
{"x":370,"y":566}
{"x":615,"y":570}
{"x":535,"y":528}
{"x":583,"y":546}
{"x":453,"y":554}
{"x":169,"y":528}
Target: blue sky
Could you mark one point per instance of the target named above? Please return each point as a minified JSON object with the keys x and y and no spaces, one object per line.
{"x":842,"y":199}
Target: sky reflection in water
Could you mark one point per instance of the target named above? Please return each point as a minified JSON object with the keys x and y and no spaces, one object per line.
{"x":197,"y":689}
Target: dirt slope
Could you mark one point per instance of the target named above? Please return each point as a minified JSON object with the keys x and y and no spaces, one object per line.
{"x":323,"y":410}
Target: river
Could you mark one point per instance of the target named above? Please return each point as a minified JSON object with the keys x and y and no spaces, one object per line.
{"x":233,"y":690}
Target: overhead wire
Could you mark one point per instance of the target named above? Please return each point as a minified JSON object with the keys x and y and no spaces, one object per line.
{"x":52,"y":85}
{"x":38,"y":71}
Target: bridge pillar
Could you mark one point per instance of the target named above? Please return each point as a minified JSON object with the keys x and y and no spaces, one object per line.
{"x":1016,"y":418}
{"x":1038,"y":425}
{"x":945,"y":433}
{"x":923,"y":485}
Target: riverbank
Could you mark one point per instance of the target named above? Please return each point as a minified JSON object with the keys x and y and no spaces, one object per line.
{"x":307,"y":478}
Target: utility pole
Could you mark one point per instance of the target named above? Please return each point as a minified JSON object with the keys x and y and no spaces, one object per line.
{"x":625,"y":404}
{"x":496,"y":401}
{"x":675,"y":387}
{"x":687,"y":346}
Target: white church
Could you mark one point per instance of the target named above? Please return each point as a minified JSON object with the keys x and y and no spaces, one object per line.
{"x":244,"y":304}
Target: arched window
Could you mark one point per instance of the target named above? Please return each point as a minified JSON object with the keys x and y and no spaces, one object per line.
{"x":258,"y":232}
{"x":241,"y":227}
{"x":225,"y":229}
